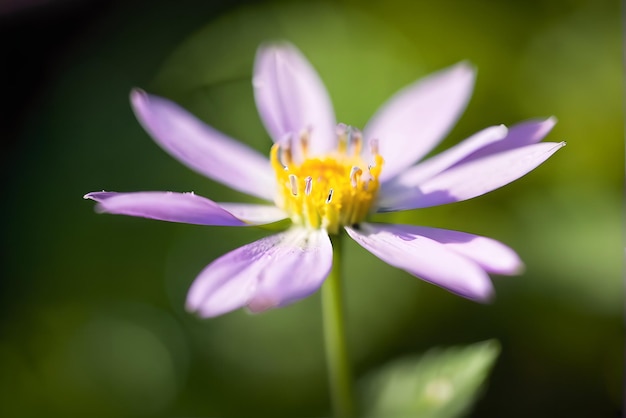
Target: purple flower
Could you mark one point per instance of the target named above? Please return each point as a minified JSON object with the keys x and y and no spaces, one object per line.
{"x":327,"y":177}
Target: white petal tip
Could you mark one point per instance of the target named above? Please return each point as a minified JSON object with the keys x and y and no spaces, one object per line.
{"x":194,"y":305}
{"x":465,"y":67}
{"x":501,"y":131}
{"x":276,"y":50}
{"x":557,"y":146}
{"x":483,"y":295}
{"x":516,"y":268}
{"x":139,"y":100}
{"x":137,"y":94}
{"x":98,"y":196}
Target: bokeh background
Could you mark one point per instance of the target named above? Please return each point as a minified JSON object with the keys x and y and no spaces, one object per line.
{"x":92,"y":318}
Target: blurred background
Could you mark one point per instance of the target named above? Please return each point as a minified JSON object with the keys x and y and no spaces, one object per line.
{"x":92,"y":306}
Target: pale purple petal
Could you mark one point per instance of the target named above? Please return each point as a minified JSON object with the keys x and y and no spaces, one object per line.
{"x":299,"y":268}
{"x":417,"y":118}
{"x":226,"y":284}
{"x":165,"y":206}
{"x":253,"y":213}
{"x":425,"y":258}
{"x":274,"y":271}
{"x":440,"y":162}
{"x":202,"y":148}
{"x":291,"y":97}
{"x":471,"y":179}
{"x":519,"y":135}
{"x":491,"y":255}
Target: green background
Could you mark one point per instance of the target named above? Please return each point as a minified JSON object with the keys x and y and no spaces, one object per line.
{"x":93,"y":320}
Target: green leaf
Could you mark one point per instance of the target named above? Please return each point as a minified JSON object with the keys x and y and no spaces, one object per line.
{"x":440,"y":383}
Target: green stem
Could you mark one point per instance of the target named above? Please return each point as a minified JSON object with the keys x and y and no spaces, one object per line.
{"x":339,"y":375}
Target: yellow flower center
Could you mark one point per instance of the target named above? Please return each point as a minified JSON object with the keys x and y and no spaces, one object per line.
{"x":328,"y":191}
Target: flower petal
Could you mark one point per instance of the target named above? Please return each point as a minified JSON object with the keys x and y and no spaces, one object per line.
{"x":291,"y":97}
{"x":255,"y":214}
{"x":418,"y":117}
{"x":441,"y":161}
{"x":519,"y":135}
{"x":491,"y":255}
{"x":226,"y":284}
{"x":400,"y":246}
{"x":471,"y":179}
{"x":167,"y":206}
{"x":299,"y":268}
{"x":202,"y":148}
{"x":274,"y":271}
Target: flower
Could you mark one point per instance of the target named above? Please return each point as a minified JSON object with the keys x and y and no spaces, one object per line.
{"x":327,"y":177}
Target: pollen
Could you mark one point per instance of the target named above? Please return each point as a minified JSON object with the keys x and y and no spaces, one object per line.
{"x":326,"y":191}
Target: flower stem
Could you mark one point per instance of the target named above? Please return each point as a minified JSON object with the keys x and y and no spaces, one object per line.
{"x":340,"y":378}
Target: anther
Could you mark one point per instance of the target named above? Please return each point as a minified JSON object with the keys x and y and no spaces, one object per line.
{"x":345,"y":185}
{"x":354,"y":173}
{"x":293,"y":182}
{"x":341,"y":129}
{"x":330,"y":196}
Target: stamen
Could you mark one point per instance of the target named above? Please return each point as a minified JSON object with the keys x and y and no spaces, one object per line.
{"x":293,"y":181}
{"x":285,"y":151}
{"x":373,"y":143}
{"x":341,"y":129}
{"x":304,"y":141}
{"x":366,"y":178}
{"x":330,"y":196}
{"x":345,"y":185}
{"x":356,"y":140}
{"x":356,"y":171}
{"x":342,"y":137}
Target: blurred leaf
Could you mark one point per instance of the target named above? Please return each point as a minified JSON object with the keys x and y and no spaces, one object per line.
{"x":441,"y":383}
